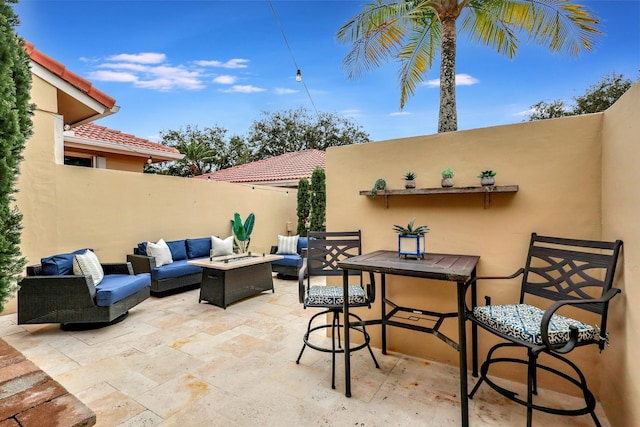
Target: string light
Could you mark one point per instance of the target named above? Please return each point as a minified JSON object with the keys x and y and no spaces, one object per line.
{"x":298,"y":73}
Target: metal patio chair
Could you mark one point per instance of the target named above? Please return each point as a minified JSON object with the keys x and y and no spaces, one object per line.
{"x":568,"y":274}
{"x":324,"y":251}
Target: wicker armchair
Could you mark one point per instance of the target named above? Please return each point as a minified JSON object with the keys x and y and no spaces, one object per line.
{"x":70,"y":299}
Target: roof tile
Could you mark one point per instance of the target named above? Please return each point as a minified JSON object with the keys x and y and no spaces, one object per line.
{"x":287,"y":167}
{"x":70,"y":77}
{"x":102,"y":133}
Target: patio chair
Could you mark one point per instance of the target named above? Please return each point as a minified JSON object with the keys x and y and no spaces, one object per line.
{"x":572,"y":275}
{"x":324,"y":251}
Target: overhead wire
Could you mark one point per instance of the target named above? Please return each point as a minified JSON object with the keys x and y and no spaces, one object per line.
{"x":295,"y":63}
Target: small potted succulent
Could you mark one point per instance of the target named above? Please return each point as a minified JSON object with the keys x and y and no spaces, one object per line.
{"x":447,"y":177}
{"x":410,"y":180}
{"x":379,"y":185}
{"x":487,"y":177}
{"x":411,"y":239}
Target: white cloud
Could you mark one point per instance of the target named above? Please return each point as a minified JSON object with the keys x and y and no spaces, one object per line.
{"x":400,"y":113}
{"x":285,"y":91}
{"x":153,"y":71}
{"x":244,"y":89}
{"x":125,"y":66}
{"x":225,"y":80}
{"x":524,"y":113}
{"x":461,"y":80}
{"x":141,"y":58}
{"x":232,"y":63}
{"x":112,"y":76}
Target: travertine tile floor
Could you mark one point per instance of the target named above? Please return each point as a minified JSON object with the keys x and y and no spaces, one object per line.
{"x":174,"y":362}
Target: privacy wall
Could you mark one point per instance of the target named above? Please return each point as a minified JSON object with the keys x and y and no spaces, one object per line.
{"x":565,"y":189}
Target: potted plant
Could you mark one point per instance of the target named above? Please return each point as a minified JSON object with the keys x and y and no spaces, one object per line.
{"x":411,"y":239}
{"x":410,"y":180}
{"x":447,"y":177}
{"x":487,"y":177}
{"x":380,"y":184}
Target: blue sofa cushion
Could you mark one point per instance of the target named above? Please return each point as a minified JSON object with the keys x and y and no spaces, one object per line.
{"x":61,"y":264}
{"x":142,"y":248}
{"x":303,"y":243}
{"x":175,"y":269}
{"x":116,"y":287}
{"x":178,"y":249}
{"x":289,"y":260}
{"x":198,"y":248}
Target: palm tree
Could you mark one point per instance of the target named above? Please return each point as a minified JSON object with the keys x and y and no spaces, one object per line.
{"x":415,"y":31}
{"x":198,"y":157}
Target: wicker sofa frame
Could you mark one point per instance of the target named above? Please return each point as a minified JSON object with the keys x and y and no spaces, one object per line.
{"x":68,"y":299}
{"x":144,"y":264}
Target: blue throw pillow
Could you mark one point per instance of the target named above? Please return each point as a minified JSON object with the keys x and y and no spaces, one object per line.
{"x":142,"y":248}
{"x":178,"y":249}
{"x":198,"y":248}
{"x":303,"y":243}
{"x":61,"y":264}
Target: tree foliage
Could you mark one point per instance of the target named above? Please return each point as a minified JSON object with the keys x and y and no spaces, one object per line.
{"x":304,"y":207}
{"x":414,"y":32}
{"x":318,"y":200}
{"x":598,"y":97}
{"x":295,"y":130}
{"x":204,"y":151}
{"x":275,"y":134}
{"x":15,"y":128}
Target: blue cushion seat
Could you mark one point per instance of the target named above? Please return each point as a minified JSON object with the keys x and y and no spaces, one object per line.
{"x":198,"y":248}
{"x":289,"y":260}
{"x":116,"y":287}
{"x":522,"y":321}
{"x":173,"y":270}
{"x":328,"y":296}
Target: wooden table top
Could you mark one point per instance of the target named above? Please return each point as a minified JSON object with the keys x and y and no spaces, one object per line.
{"x":234,"y":261}
{"x":449,"y":267}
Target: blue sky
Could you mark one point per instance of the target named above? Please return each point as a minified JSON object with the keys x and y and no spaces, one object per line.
{"x":170,"y":64}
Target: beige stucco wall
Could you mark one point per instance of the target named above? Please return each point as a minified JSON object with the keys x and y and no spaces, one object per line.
{"x":620,"y":391}
{"x":558,"y":167}
{"x":67,"y":207}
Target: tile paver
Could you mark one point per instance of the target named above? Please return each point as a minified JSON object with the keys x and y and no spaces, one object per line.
{"x":174,"y":362}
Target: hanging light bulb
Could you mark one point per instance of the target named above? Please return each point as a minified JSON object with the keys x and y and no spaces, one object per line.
{"x":150,"y":160}
{"x":298,"y":76}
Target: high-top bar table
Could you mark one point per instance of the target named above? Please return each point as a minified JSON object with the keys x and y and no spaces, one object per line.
{"x":460,"y":269}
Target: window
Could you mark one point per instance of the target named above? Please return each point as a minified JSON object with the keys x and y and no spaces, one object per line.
{"x":79,"y":161}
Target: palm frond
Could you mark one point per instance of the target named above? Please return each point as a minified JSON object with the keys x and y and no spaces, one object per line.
{"x":417,"y":55}
{"x":561,"y":25}
{"x":376,"y":34}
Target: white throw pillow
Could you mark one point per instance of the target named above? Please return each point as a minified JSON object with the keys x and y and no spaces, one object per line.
{"x":160,"y":251}
{"x":287,"y":245}
{"x":221,"y":246}
{"x":87,"y":264}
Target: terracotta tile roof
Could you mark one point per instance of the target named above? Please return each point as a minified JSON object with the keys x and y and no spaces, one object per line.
{"x":70,"y":77}
{"x":287,"y":167}
{"x":101,"y":133}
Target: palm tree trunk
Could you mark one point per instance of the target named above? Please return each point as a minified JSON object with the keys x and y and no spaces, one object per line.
{"x":448,"y":117}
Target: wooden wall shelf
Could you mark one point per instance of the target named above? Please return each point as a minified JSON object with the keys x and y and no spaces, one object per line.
{"x":486,"y":190}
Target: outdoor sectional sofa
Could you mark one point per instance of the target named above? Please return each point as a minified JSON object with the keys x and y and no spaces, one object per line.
{"x":178,"y":275}
{"x":52,"y":293}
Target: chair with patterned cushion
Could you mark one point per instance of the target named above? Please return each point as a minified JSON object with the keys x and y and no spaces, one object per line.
{"x":324,"y":251}
{"x":572,"y":276}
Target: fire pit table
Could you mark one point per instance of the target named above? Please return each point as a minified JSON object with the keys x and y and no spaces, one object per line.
{"x":230,"y":278}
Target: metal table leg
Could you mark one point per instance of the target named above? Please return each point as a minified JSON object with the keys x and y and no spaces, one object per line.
{"x":347,"y":350}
